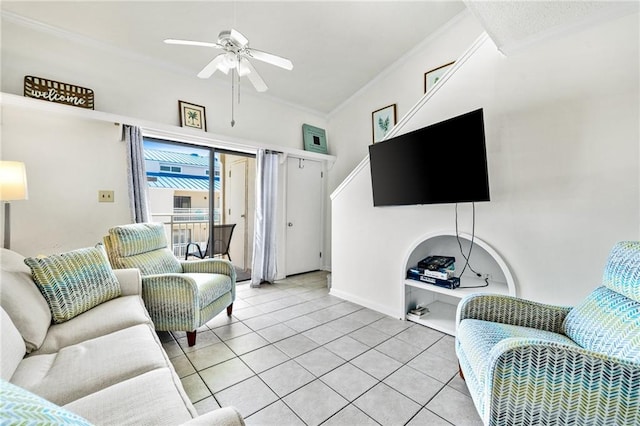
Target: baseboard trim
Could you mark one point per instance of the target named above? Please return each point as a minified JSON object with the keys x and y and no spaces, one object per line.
{"x":364,"y":302}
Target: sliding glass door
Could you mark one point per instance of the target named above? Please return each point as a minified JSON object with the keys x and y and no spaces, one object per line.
{"x":204,"y":198}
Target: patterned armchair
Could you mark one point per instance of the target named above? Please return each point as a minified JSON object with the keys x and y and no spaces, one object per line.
{"x":179,"y":295}
{"x":527,"y":363}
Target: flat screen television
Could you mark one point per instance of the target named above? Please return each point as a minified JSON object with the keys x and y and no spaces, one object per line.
{"x":442,"y":163}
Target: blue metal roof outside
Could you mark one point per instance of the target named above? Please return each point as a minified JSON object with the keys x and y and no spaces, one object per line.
{"x":176,"y":157}
{"x":184,"y":183}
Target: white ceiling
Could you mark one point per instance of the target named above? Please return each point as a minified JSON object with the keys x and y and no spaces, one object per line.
{"x":336,"y":47}
{"x":515,"y":25}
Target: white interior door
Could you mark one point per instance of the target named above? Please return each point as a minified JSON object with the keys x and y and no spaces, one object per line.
{"x":303,"y":216}
{"x":236,"y":209}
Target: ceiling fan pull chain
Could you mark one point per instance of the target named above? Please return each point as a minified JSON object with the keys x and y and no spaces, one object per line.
{"x":238,"y":87}
{"x":233,"y":121}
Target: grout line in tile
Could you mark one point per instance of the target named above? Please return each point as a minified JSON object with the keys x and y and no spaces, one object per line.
{"x":295,"y":287}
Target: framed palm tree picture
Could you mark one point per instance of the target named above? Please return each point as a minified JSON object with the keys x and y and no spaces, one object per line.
{"x":192,"y":115}
{"x":383,"y":121}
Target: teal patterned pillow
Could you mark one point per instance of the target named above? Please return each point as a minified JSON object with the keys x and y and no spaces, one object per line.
{"x":74,"y":282}
{"x":19,"y":406}
{"x":606,"y":322}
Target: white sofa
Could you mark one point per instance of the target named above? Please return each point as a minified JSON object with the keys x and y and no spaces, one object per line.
{"x":105,"y":365}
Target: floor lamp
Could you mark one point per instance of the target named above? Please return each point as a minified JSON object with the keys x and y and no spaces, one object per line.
{"x":13,"y":187}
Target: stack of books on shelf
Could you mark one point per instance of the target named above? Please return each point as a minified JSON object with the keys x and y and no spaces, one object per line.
{"x":436,"y":270}
{"x":419,"y":311}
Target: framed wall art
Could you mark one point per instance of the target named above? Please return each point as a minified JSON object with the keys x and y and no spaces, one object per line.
{"x":192,"y":115}
{"x":432,"y":77}
{"x":382,"y":121}
{"x":314,"y":138}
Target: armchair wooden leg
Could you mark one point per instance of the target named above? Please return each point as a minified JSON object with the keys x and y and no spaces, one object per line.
{"x":191,"y":337}
{"x":460,"y":371}
{"x":229,"y":309}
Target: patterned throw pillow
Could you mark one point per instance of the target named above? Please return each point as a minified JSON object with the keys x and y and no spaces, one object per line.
{"x":19,"y":406}
{"x":74,"y":282}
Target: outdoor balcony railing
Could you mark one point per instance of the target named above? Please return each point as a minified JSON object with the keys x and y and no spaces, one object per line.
{"x":184,"y":226}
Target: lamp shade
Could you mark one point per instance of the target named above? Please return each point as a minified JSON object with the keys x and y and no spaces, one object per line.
{"x":13,"y":181}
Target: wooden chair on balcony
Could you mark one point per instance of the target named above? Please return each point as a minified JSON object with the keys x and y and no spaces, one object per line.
{"x":222,"y":240}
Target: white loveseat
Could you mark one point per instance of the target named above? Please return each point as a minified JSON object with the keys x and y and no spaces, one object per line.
{"x":105,"y":365}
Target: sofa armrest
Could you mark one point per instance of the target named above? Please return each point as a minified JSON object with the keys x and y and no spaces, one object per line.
{"x":227,"y":416}
{"x":512,"y":310}
{"x":130,"y":281}
{"x":564,"y":384}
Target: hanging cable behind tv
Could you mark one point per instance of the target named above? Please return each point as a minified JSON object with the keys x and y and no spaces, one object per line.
{"x":467,"y":256}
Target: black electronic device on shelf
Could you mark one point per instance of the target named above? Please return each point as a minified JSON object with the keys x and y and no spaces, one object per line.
{"x":437,"y":263}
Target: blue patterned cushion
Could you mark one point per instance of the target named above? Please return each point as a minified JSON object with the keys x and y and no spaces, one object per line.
{"x":606,"y":322}
{"x":143,"y":246}
{"x":74,"y":282}
{"x":622,"y":272}
{"x":19,"y":406}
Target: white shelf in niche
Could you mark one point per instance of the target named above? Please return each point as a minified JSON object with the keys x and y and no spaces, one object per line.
{"x":442,"y":302}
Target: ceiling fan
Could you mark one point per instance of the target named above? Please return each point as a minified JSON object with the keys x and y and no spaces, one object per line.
{"x":235,"y":57}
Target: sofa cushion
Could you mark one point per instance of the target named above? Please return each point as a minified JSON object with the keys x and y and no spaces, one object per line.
{"x":12,"y":347}
{"x":143,"y":246}
{"x":137,"y":401}
{"x":477,"y":338}
{"x":74,"y":282}
{"x":79,"y":370}
{"x":114,"y":315}
{"x":622,"y":271}
{"x":22,"y":300}
{"x":606,"y":322}
{"x":19,"y":406}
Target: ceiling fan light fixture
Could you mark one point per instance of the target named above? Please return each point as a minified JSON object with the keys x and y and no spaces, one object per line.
{"x":230,"y":59}
{"x":243,"y":68}
{"x":235,"y":56}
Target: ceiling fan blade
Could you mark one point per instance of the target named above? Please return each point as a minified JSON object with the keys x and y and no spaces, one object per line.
{"x":239,"y":38}
{"x":211,"y":67}
{"x":193,"y":43}
{"x":270,"y":58}
{"x":253,"y":76}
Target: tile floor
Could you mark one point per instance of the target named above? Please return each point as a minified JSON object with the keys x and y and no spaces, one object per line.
{"x":292,"y":354}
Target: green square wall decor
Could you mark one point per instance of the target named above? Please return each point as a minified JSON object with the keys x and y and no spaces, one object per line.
{"x":315,"y":139}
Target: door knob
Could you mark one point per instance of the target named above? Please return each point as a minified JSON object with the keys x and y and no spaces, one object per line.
{"x":290,"y":224}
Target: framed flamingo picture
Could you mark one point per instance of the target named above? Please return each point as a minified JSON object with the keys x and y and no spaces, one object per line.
{"x":192,"y":115}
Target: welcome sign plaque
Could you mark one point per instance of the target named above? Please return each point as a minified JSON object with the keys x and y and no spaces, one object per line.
{"x":55,"y":91}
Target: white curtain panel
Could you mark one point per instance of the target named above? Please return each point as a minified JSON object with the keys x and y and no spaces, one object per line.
{"x":138,"y":204}
{"x":264,"y":245}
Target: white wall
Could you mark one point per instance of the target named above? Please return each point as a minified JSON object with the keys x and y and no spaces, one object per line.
{"x":350,"y":130}
{"x":137,"y":87}
{"x":67,"y":161}
{"x":562,"y":133}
